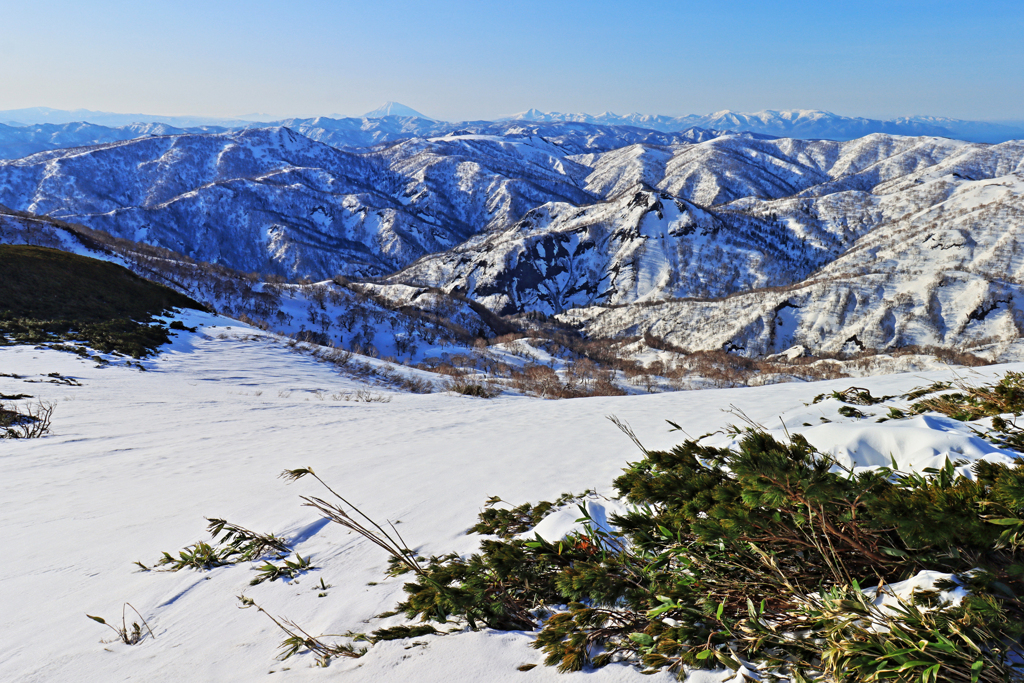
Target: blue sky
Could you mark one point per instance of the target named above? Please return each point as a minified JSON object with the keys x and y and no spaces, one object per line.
{"x":483,"y":59}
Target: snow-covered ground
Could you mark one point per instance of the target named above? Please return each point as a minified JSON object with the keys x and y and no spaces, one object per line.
{"x":137,"y":460}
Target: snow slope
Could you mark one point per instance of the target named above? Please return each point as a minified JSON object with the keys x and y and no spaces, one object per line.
{"x":138,"y":459}
{"x":941,"y":266}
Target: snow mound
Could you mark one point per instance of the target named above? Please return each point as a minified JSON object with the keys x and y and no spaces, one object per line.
{"x":915,"y":444}
{"x":562,"y":523}
{"x":903,"y":591}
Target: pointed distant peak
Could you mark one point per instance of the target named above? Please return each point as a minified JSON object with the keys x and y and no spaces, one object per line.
{"x":393,"y":109}
{"x":532,"y":114}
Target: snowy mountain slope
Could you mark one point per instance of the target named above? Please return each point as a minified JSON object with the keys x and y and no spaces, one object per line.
{"x":443,"y":333}
{"x":418,"y":327}
{"x":928,"y":258}
{"x":950,"y":274}
{"x":724,"y":169}
{"x":728,"y":167}
{"x":205,"y":432}
{"x":549,"y":217}
{"x":267,"y":199}
{"x":644,"y":245}
{"x":484,"y":182}
{"x":797,"y":123}
{"x":275,"y":201}
{"x":641,"y":245}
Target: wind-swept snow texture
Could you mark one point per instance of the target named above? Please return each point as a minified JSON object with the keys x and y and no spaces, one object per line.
{"x":138,"y":459}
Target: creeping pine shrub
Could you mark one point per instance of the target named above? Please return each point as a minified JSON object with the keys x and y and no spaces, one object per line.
{"x":135,"y":339}
{"x":755,"y":554}
{"x":1005,"y":397}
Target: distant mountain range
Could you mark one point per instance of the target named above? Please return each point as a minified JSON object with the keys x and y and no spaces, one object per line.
{"x":326,"y":208}
{"x":701,"y":239}
{"x":349,"y":133}
{"x":793,"y":123}
{"x":37,"y":115}
{"x":22,"y":141}
{"x":798,"y":123}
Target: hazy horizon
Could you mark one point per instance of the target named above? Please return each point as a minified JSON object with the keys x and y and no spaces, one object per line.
{"x":462,"y":60}
{"x":266,"y":117}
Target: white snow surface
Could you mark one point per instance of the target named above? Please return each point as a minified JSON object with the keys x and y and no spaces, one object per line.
{"x":565,"y":521}
{"x":894,"y":595}
{"x":137,"y":460}
{"x":917,"y":443}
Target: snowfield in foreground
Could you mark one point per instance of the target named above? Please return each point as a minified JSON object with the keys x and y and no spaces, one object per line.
{"x":138,"y":460}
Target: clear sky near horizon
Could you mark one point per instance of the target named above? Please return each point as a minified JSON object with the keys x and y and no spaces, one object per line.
{"x":481,"y":59}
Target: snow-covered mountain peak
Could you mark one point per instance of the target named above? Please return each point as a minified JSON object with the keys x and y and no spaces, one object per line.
{"x":531,"y":114}
{"x":394,"y":109}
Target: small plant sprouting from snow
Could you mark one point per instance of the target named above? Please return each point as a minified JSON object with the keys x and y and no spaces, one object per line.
{"x":289,"y":570}
{"x":128,"y":636}
{"x":299,"y":640}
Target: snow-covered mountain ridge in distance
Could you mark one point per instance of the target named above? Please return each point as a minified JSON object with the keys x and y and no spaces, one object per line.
{"x":791,"y":123}
{"x":797,"y":123}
